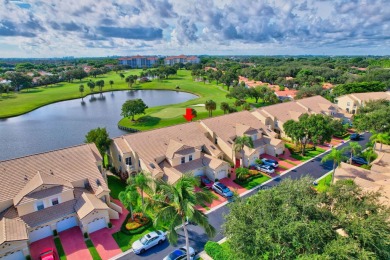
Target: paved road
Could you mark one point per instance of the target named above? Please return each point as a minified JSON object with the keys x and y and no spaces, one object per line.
{"x":314,"y":168}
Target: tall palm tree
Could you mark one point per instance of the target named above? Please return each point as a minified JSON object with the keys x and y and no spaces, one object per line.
{"x":337,"y":156}
{"x":142,"y":181}
{"x":354,"y":148}
{"x":175,"y":204}
{"x":121,"y":75}
{"x":129,"y":198}
{"x":224,"y":107}
{"x":210,"y":105}
{"x":382,"y":138}
{"x":240,"y":142}
{"x":111,"y":83}
{"x":91,"y":85}
{"x":81,"y":89}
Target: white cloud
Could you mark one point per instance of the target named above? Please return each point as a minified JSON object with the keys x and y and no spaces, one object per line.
{"x":96,"y":27}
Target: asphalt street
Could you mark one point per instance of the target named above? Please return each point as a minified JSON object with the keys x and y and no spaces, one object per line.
{"x":198,"y":238}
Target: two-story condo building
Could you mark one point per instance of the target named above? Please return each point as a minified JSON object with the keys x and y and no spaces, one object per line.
{"x":275,"y":116}
{"x":51,"y":191}
{"x":224,"y":130}
{"x":169,"y":152}
{"x":138,"y":61}
{"x":350,"y":103}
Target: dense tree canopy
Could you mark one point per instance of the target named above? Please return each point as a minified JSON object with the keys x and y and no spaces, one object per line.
{"x":133,"y":107}
{"x":292,"y":221}
{"x":374,"y":117}
{"x":100,"y":138}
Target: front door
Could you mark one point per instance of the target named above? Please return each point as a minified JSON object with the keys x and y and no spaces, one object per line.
{"x":238,"y":163}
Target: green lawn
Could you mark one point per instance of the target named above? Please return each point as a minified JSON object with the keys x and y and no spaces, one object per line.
{"x":14,"y":104}
{"x":125,"y":241}
{"x":95,"y":255}
{"x":60,"y":249}
{"x":324,"y":183}
{"x":308,"y":154}
{"x":255,"y":181}
{"x":115,"y":185}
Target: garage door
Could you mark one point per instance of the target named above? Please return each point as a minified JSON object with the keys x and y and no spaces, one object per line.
{"x":221,"y":175}
{"x":96,"y":225}
{"x":18,"y":255}
{"x":40,"y":233}
{"x":66,"y":224}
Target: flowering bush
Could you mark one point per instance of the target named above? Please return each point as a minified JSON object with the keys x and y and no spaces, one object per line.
{"x":132,"y":225}
{"x":139,"y":221}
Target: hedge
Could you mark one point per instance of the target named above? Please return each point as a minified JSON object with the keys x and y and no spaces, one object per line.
{"x":138,"y":230}
{"x":216,"y":251}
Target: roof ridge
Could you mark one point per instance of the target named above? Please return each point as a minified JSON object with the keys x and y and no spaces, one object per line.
{"x":50,"y":151}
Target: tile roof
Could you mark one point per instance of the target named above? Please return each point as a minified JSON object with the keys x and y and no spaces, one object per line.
{"x":87,"y":203}
{"x":370,"y":96}
{"x":41,"y":194}
{"x":316,"y":104}
{"x":12,"y":230}
{"x":175,"y":147}
{"x":283,"y":111}
{"x":71,"y":164}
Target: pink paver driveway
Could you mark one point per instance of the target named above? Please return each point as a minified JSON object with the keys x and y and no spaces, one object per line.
{"x":72,"y":241}
{"x":102,"y":239}
{"x":38,"y":247}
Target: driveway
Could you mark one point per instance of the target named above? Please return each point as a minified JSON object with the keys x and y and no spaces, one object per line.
{"x":72,"y":241}
{"x":313,"y":168}
{"x":40,"y":246}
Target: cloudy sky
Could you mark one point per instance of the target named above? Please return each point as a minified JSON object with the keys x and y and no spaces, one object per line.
{"x":57,"y":28}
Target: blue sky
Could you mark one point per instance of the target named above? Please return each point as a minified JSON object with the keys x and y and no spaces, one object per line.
{"x":53,"y":28}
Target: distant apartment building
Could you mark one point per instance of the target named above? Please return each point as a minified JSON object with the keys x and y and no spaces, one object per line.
{"x":350,"y":103}
{"x":138,"y":61}
{"x":171,"y":60}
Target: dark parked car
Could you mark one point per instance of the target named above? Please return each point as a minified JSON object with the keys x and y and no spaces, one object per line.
{"x":222,"y":190}
{"x":270,"y":162}
{"x":354,"y":137}
{"x":206,"y":182}
{"x":359,"y":160}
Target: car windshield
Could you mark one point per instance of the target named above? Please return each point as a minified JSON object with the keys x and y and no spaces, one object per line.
{"x":175,"y":254}
{"x":143,"y":240}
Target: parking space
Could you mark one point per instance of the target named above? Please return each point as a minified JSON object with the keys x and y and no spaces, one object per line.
{"x":105,"y":243}
{"x":40,"y":246}
{"x":72,"y":241}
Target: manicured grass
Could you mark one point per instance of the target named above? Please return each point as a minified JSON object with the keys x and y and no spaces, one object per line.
{"x":15,"y":104}
{"x":115,"y":185}
{"x":254,"y":181}
{"x":60,"y":249}
{"x":324,"y":183}
{"x":125,"y":241}
{"x":94,"y":253}
{"x":308,"y":154}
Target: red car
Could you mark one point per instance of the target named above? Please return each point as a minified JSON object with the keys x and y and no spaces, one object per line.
{"x":206,"y":182}
{"x":48,"y":254}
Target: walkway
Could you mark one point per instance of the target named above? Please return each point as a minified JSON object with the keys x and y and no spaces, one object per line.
{"x":72,"y":241}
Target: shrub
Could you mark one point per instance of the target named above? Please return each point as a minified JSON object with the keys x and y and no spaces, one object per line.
{"x":28,"y":257}
{"x":142,"y":223}
{"x":259,"y":161}
{"x":215,"y":250}
{"x":112,"y":169}
{"x":216,"y":180}
{"x":85,"y":234}
{"x":109,"y":225}
{"x":55,"y":232}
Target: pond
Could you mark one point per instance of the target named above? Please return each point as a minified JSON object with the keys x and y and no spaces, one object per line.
{"x":66,"y":123}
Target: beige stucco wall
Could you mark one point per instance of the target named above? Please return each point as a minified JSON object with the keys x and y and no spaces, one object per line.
{"x":177,"y":160}
{"x":5,"y":205}
{"x":342,"y":102}
{"x":30,"y":207}
{"x":96,"y":214}
{"x":115,"y":153}
{"x":14,"y":246}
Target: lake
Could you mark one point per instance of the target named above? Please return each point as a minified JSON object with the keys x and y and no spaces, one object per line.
{"x":66,"y":123}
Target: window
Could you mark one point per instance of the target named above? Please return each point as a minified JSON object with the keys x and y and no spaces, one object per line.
{"x":119,"y":158}
{"x":54,"y":201}
{"x":128,"y":161}
{"x":139,"y":163}
{"x":276,"y":123}
{"x":190,"y":158}
{"x":348,"y":104}
{"x":40,"y":205}
{"x":183,"y":159}
{"x":216,"y":140}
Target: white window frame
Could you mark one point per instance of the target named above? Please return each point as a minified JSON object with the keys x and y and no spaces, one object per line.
{"x":38,"y":203}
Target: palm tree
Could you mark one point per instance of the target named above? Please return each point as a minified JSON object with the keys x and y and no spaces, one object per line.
{"x":81,"y":89}
{"x":210,"y":105}
{"x":175,"y":204}
{"x":224,"y":107}
{"x":382,"y":138}
{"x":337,"y":156}
{"x":129,"y":198}
{"x":91,"y":85}
{"x":240,"y":143}
{"x":111,"y":83}
{"x":121,"y":75}
{"x":142,"y":181}
{"x":369,"y":154}
{"x":354,"y":148}
{"x":131,"y":80}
